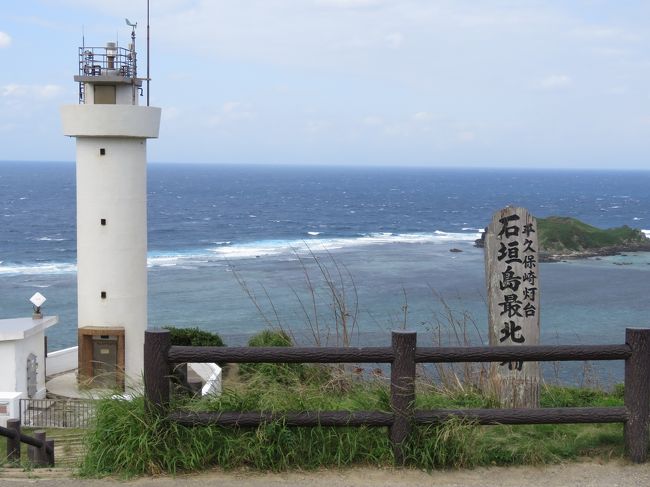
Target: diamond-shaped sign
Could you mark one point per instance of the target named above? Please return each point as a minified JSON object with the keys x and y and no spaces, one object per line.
{"x":37,"y":300}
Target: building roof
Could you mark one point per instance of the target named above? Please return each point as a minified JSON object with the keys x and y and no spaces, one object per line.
{"x":20,"y":328}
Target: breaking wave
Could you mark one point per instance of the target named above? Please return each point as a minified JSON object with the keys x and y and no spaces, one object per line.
{"x":222,"y":252}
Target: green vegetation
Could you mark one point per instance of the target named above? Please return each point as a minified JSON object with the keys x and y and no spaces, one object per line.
{"x":560,"y":234}
{"x":127,"y":441}
{"x":270,"y":338}
{"x":194,"y":337}
{"x":282,"y":373}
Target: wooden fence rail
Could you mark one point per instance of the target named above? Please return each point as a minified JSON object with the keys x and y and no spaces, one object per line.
{"x":403,"y":356}
{"x":40,"y":451}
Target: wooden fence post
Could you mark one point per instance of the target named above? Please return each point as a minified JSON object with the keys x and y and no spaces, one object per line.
{"x":38,"y":455}
{"x":13,"y":444}
{"x":402,"y":389}
{"x":156,"y":369}
{"x":637,"y":394}
{"x":50,"y":455}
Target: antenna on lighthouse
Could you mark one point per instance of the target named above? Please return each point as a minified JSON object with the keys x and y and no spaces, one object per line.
{"x":133,"y":54}
{"x":148,"y":36}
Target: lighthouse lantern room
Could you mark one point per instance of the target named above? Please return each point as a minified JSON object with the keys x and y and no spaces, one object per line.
{"x":111,"y":132}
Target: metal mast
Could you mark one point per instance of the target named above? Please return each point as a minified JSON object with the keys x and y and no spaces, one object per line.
{"x":148,"y":76}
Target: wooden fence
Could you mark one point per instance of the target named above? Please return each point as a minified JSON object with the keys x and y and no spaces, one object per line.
{"x":403,"y":355}
{"x":40,"y":450}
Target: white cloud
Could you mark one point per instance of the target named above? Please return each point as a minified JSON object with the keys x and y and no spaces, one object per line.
{"x":617,"y":90}
{"x":349,"y":3}
{"x":466,"y":136}
{"x":610,"y":51}
{"x":230,"y":106}
{"x":231,"y":111}
{"x":554,"y":82}
{"x":368,"y":66}
{"x":372,"y":121}
{"x":14,"y":90}
{"x":316,"y":126}
{"x":170,"y":113}
{"x":47,"y":91}
{"x":235,"y":110}
{"x":397,"y":130}
{"x":422,"y":117}
{"x":136,"y":10}
{"x":5,"y":39}
{"x":600,"y":32}
{"x":394,"y":40}
{"x":214,"y":120}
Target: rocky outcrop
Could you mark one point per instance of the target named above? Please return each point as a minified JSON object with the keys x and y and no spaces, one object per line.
{"x":555,"y":250}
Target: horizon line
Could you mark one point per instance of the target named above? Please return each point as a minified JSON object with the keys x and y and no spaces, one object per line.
{"x":361,"y":166}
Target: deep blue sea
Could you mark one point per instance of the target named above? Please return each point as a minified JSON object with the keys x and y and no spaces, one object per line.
{"x":235,"y":249}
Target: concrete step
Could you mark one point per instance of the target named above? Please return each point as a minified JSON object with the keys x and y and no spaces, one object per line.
{"x":69,"y":447}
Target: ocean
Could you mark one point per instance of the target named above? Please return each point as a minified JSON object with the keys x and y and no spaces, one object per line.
{"x":236,"y":249}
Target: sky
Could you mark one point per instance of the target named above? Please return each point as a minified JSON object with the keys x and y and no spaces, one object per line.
{"x":453,"y":83}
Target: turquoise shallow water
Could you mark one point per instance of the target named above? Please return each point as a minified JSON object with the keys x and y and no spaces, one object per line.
{"x":412,"y":285}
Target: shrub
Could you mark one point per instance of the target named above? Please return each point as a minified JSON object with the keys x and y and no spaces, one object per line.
{"x":194,"y":337}
{"x":270,"y":338}
{"x":281,"y":373}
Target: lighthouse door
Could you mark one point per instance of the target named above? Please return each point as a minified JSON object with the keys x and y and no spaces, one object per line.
{"x":105,"y":361}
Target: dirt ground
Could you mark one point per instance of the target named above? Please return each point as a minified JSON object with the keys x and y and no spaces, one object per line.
{"x":587,"y":474}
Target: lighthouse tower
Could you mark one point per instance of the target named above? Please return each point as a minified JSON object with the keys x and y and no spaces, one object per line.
{"x":111,"y":133}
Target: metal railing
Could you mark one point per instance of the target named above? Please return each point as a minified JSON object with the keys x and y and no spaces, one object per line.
{"x":403,"y":356}
{"x":56,"y":413}
{"x":103,"y":61}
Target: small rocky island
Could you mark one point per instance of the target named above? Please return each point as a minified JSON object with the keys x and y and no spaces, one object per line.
{"x":563,"y":238}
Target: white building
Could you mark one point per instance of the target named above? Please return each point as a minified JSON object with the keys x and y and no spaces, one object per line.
{"x":22,"y":348}
{"x":111,"y":133}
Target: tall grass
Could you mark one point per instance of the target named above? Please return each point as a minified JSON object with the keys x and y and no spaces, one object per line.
{"x":127,"y":441}
{"x":328,"y":285}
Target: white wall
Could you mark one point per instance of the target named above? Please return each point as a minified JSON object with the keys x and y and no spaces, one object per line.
{"x":61,"y":361}
{"x":14,"y":353}
{"x":12,"y":401}
{"x":31,"y":344}
{"x":8,"y":375}
{"x":123,"y":94}
{"x":113,"y":258}
{"x":110,"y":121}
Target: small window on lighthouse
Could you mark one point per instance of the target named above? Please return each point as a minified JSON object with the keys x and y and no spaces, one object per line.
{"x":103,"y":294}
{"x":102,"y":221}
{"x":102,"y":152}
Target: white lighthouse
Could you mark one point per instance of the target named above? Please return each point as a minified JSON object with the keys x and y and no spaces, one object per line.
{"x":111,"y":133}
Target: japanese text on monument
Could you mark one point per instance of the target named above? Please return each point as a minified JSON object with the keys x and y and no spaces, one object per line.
{"x":514,"y":295}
